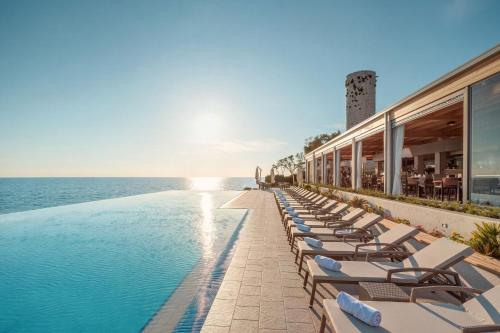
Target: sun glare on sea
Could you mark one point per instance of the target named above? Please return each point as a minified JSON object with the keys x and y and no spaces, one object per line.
{"x":205,"y":183}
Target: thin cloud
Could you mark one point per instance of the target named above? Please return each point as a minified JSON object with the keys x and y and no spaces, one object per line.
{"x":240,"y":146}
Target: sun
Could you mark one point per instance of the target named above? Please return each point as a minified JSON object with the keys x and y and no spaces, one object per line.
{"x":206,"y":125}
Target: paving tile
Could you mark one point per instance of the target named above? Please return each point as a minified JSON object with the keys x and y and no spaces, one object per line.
{"x":295,"y":303}
{"x":300,"y":328}
{"x":293,"y":292}
{"x":234,"y":273}
{"x":291,"y":283}
{"x":254,"y":262}
{"x":251,"y":281}
{"x":229,"y":290}
{"x":272,"y":315}
{"x":244,"y":326}
{"x":288,"y":268}
{"x":246,"y":312}
{"x":271,"y":276}
{"x":252,"y":273}
{"x":220,"y":313}
{"x":257,"y":268}
{"x":271,"y":292}
{"x":248,"y":300}
{"x":298,"y":316}
{"x":250,"y":290}
{"x":291,"y":275}
{"x":214,"y":329}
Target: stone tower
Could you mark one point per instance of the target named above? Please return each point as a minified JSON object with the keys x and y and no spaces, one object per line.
{"x":360,"y":97}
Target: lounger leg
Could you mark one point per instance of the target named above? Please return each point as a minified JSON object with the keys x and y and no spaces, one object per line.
{"x":313,"y":292}
{"x":297,"y":257}
{"x":323,"y":324}
{"x":301,"y":262}
{"x":305,"y":279}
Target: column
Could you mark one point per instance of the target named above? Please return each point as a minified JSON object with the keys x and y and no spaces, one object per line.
{"x":354,"y":174}
{"x":388,"y":160}
{"x":314,"y":169}
{"x":336,"y":169}
{"x":307,"y":171}
{"x":398,"y":139}
{"x":466,"y":148}
{"x":359,"y":164}
{"x":418,"y":163}
{"x":324,"y":160}
{"x":439,"y":162}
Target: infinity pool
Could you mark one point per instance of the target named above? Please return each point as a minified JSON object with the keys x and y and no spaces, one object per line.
{"x":106,"y":265}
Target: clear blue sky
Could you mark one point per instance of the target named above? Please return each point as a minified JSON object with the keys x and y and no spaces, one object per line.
{"x":207,"y":88}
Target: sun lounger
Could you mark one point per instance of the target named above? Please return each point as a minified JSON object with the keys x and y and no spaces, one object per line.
{"x":365,"y":222}
{"x":324,"y":208}
{"x":334,"y":214}
{"x":387,"y":244}
{"x":419,"y":268}
{"x":318,"y":201}
{"x":479,"y":314}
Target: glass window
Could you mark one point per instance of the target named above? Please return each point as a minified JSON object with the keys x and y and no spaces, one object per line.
{"x":485,"y":141}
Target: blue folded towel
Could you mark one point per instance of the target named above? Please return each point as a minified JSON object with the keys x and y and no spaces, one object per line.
{"x":286,"y":204}
{"x":293,"y":214}
{"x":360,"y":310}
{"x":303,"y":227}
{"x":313,"y":242}
{"x":328,"y":263}
{"x":298,"y":220}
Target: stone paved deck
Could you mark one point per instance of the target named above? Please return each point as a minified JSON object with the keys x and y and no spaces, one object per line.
{"x":261,"y":291}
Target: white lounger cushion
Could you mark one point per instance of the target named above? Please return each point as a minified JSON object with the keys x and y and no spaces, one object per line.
{"x":485,"y":306}
{"x":440,"y":254}
{"x":400,"y":317}
{"x":396,"y":234}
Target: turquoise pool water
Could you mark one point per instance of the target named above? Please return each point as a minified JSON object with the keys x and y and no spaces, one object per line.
{"x":106,"y":265}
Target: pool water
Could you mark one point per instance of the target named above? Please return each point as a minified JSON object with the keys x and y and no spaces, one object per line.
{"x":106,"y":265}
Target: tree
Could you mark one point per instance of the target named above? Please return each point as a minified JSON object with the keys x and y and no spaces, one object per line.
{"x":291,"y":164}
{"x":312,"y":143}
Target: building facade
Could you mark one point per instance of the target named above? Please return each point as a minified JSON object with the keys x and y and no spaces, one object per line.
{"x":441,"y":141}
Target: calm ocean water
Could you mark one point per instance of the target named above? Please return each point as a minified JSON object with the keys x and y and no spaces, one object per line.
{"x":21,"y":194}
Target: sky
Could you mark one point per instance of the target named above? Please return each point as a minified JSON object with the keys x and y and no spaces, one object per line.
{"x":208,"y":88}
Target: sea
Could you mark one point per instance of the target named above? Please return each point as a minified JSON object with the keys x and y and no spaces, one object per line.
{"x":22,"y":194}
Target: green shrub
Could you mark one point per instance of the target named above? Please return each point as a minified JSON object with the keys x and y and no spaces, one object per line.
{"x":486,"y":239}
{"x":457,"y":237}
{"x":401,"y":221}
{"x":379,"y":210}
{"x":358,"y":202}
{"x":469,"y":208}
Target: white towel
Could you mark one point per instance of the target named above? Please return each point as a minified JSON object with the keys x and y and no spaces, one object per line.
{"x":298,"y":220}
{"x":328,"y":263}
{"x":358,"y":309}
{"x":303,"y":227}
{"x":313,"y":242}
